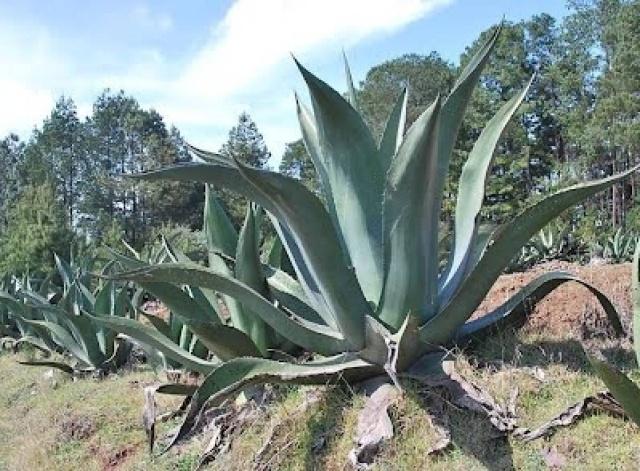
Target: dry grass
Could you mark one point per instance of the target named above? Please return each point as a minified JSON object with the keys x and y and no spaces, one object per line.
{"x":93,"y":424}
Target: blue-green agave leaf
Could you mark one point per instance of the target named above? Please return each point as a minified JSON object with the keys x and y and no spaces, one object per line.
{"x":356,"y":176}
{"x":411,"y":251}
{"x":626,"y":392}
{"x":393,"y":130}
{"x":471,"y":186}
{"x":154,"y":338}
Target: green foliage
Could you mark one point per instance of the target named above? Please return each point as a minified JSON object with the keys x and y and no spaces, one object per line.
{"x":297,"y":163}
{"x":37,"y":229}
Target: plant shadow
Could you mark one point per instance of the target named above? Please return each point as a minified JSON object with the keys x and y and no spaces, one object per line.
{"x":508,"y":349}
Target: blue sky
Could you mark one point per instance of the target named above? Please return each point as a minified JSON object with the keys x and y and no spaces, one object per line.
{"x":200,"y":63}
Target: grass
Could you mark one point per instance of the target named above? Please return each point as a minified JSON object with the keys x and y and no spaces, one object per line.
{"x":88,"y":424}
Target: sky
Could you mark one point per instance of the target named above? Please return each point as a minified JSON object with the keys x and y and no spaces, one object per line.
{"x":200,"y":63}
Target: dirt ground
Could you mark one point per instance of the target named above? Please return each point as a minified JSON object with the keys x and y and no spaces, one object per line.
{"x":569,"y":307}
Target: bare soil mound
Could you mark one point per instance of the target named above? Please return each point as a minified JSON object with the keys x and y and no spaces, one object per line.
{"x":571,"y":307}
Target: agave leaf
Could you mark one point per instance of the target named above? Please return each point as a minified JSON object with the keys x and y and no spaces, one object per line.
{"x":455,"y":105}
{"x":89,"y":339}
{"x":51,"y":364}
{"x":153,"y":338}
{"x":229,"y":342}
{"x":79,"y":328}
{"x":635,"y":293}
{"x":248,"y":270}
{"x":304,"y":275}
{"x":411,"y":251}
{"x":314,"y":337}
{"x":394,"y":130}
{"x":64,"y":339}
{"x":515,"y":310}
{"x":505,"y":243}
{"x":356,"y":178}
{"x":312,"y":143}
{"x":351,"y":89}
{"x":206,"y":299}
{"x":623,"y":389}
{"x":222,"y":238}
{"x":160,"y":324}
{"x":286,"y":290}
{"x":471,"y":186}
{"x":218,"y":228}
{"x":188,"y":310}
{"x":232,"y":376}
{"x":65,"y":271}
{"x":207,"y":156}
{"x":310,"y":226}
{"x":176,"y":300}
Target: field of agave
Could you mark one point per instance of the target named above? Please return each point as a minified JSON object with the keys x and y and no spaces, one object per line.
{"x":356,"y":288}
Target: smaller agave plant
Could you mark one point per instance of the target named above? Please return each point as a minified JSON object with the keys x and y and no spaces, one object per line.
{"x":623,"y":389}
{"x":58,"y":322}
{"x":620,"y":247}
{"x":366,"y":256}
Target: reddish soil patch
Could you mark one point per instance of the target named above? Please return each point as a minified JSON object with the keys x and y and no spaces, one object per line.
{"x":565,"y":310}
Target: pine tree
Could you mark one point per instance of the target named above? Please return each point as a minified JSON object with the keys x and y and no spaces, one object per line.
{"x":246,"y":144}
{"x":297,"y":163}
{"x":37,"y":229}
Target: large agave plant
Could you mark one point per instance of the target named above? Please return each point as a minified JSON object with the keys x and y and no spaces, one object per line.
{"x":367,"y":261}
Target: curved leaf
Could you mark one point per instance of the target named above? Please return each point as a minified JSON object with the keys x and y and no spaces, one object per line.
{"x":515,"y":310}
{"x":51,"y":364}
{"x":504,"y":244}
{"x":288,"y":291}
{"x":310,"y":226}
{"x":153,"y":338}
{"x":64,"y":339}
{"x":471,"y":186}
{"x":314,"y":337}
{"x":231,"y":377}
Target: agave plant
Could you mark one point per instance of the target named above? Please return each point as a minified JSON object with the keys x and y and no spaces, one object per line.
{"x":626,"y":392}
{"x":367,"y":262}
{"x":60,"y":324}
{"x":620,"y":247}
{"x":219,"y":323}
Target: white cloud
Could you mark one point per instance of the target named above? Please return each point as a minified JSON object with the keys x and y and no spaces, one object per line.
{"x":239,"y":60}
{"x":256,"y":35}
{"x":240,"y":66}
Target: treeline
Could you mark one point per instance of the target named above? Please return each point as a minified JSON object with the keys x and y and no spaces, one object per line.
{"x":581,"y":119}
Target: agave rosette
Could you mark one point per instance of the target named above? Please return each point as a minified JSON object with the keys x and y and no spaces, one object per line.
{"x":367,"y":259}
